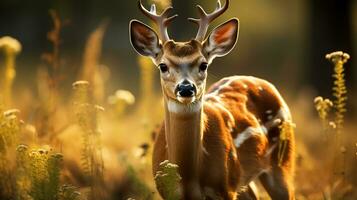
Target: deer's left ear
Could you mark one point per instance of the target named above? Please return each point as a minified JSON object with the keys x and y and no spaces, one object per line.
{"x":144,"y":40}
{"x":222,"y":39}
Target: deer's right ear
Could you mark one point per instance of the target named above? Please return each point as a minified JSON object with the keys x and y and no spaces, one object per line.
{"x":144,"y":40}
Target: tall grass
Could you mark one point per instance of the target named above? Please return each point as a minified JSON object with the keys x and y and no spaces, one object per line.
{"x":49,"y":78}
{"x":333,"y":126}
{"x":30,"y":173}
{"x":286,"y":129}
{"x":92,"y":71}
{"x":38,"y":175}
{"x":11,"y":47}
{"x":87,"y":118}
{"x":9,"y":130}
{"x":339,"y":89}
{"x":32,"y":170}
{"x":323,"y":107}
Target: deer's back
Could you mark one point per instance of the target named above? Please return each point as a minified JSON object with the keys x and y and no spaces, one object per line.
{"x":252,"y":110}
{"x":246,"y":102}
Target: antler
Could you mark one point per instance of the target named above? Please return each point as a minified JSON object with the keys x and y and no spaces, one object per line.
{"x":206,"y":19}
{"x":161,"y":20}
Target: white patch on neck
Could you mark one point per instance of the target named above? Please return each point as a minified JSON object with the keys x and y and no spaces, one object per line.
{"x":176,"y":107}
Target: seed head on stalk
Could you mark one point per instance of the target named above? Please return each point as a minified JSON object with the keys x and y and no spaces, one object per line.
{"x":339,"y":58}
{"x":11,"y":48}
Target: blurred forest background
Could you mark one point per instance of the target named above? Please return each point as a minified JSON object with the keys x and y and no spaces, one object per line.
{"x":284,"y":42}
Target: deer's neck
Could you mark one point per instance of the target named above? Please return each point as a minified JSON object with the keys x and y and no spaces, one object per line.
{"x":184,"y":131}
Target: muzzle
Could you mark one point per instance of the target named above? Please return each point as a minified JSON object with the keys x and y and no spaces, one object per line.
{"x":185,"y":89}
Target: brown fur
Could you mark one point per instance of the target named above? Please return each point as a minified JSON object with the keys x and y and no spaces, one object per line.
{"x":225,"y":139}
{"x":182,"y":49}
{"x":214,"y":162}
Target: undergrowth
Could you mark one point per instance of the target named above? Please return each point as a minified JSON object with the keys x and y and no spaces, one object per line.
{"x":9,"y":130}
{"x":38,"y":175}
{"x":331,"y":114}
{"x":87,"y":118}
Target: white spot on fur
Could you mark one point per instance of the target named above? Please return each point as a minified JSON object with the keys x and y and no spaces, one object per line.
{"x":254,"y":188}
{"x":204,"y":150}
{"x":268,"y":112}
{"x":215,"y":92}
{"x":284,"y":113}
{"x":260,"y":88}
{"x":176,"y":107}
{"x":245,"y":86}
{"x":246,"y":134}
{"x":234,"y":154}
{"x":264,"y":129}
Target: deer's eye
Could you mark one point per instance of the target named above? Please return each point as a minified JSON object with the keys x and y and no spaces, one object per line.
{"x":163,"y":68}
{"x":203,"y":67}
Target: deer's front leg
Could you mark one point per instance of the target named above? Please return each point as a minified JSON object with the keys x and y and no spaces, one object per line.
{"x":192,"y":191}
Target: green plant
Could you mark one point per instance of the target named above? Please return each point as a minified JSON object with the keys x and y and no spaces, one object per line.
{"x":339,"y":58}
{"x":9,"y":130}
{"x":138,"y":185}
{"x":323,"y":107}
{"x":339,"y":89}
{"x":38,"y":175}
{"x":92,"y":71}
{"x":87,"y":118}
{"x":286,"y":129}
{"x":168,"y":179}
{"x":23,"y":183}
{"x":68,"y":192}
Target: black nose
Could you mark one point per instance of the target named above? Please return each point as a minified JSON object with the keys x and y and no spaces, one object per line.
{"x":186,"y":89}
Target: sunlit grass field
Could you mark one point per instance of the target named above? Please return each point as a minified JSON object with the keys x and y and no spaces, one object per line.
{"x":86,"y":143}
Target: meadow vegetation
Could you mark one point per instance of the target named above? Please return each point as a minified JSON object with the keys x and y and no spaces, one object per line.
{"x":60,"y":149}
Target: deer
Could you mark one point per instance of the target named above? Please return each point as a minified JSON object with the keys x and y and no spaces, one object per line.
{"x":226,"y":137}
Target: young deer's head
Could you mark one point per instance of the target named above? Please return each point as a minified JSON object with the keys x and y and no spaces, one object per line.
{"x":183,"y":65}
